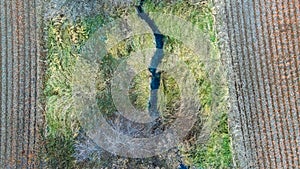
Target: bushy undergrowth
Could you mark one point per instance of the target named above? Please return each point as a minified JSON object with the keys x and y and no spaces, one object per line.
{"x":64,"y":40}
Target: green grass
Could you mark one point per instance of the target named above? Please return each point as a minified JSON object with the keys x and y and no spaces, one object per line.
{"x":64,"y":39}
{"x":216,"y":152}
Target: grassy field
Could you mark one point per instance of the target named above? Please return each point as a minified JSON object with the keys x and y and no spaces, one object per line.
{"x":64,"y":40}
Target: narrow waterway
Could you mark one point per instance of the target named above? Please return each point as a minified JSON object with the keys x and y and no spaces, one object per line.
{"x":155,"y":61}
{"x":155,"y":74}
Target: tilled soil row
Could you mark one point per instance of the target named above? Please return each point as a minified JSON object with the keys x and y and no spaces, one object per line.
{"x":19,"y":116}
{"x":260,"y":40}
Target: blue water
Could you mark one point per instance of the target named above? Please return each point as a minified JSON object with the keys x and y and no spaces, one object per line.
{"x":155,"y":61}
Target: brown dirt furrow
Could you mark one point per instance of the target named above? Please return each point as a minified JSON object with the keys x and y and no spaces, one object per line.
{"x":19,"y":84}
{"x":261,"y":43}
